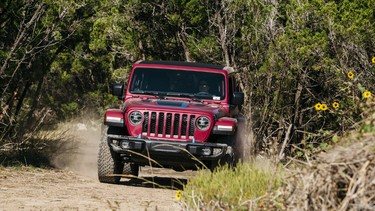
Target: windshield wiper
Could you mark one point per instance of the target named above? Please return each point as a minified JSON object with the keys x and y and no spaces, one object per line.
{"x":161,"y":95}
{"x":185,"y":95}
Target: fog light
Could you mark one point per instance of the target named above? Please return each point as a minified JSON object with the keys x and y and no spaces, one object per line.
{"x":217,"y":151}
{"x":206,"y":151}
{"x":125,"y":144}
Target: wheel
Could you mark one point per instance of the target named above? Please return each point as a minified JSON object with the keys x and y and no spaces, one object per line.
{"x":108,"y":163}
{"x":131,"y":169}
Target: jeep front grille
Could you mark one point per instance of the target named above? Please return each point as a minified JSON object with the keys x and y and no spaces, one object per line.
{"x":168,"y":125}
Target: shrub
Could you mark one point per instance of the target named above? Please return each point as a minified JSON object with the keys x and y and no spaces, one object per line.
{"x":247,"y":186}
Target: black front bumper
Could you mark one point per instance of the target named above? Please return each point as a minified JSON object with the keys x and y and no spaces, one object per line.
{"x":168,"y":154}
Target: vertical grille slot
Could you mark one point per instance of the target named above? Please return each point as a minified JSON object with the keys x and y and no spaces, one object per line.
{"x":145,"y":122}
{"x":192,"y":125}
{"x":161,"y":123}
{"x":153,"y":122}
{"x":176,"y":123}
{"x":168,"y":124}
{"x":184,"y":125}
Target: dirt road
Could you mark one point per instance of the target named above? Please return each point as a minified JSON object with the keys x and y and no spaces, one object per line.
{"x":73,"y":185}
{"x":29,"y":188}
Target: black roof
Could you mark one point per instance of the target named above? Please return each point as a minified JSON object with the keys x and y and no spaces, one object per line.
{"x":180,"y":63}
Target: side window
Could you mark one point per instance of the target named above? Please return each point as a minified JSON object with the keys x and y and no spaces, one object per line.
{"x":138,"y":82}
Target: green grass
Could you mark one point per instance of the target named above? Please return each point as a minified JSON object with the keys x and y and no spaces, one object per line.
{"x":247,"y":186}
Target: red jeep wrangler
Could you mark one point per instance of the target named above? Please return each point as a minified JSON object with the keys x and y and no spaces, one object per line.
{"x":177,"y":115}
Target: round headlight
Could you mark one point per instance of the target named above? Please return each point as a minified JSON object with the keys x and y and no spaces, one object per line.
{"x":202,"y":123}
{"x":135,"y":117}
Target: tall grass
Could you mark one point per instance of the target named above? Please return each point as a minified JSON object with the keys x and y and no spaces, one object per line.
{"x":248,"y":186}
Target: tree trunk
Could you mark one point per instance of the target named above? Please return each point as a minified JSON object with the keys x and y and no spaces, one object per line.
{"x":183,"y":40}
{"x":297,"y":103}
{"x":21,"y":35}
{"x":5,"y":116}
{"x":22,"y":98}
{"x":223,"y":38}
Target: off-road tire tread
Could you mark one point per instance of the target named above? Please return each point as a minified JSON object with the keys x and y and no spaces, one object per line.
{"x":131,"y":169}
{"x":108,"y":163}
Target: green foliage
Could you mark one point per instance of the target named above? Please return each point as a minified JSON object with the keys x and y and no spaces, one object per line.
{"x":291,"y":55}
{"x":308,"y":63}
{"x":206,"y":48}
{"x":230,"y":189}
{"x":69,"y":108}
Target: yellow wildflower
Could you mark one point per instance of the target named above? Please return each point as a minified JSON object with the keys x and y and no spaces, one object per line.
{"x":335,"y":105}
{"x":324,"y":107}
{"x":367,"y":94}
{"x":318,"y":106}
{"x":350,"y":74}
{"x":178,"y":194}
{"x":373,"y":60}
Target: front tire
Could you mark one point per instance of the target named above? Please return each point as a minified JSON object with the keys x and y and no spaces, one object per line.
{"x":131,"y":169}
{"x":109,"y":163}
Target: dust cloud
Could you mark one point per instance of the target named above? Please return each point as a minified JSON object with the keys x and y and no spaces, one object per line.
{"x":80,"y":152}
{"x":245,"y":141}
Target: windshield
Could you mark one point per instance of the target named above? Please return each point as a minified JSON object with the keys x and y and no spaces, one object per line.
{"x":179,"y":83}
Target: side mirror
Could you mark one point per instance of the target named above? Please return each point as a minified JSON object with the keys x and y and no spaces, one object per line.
{"x":118,"y":90}
{"x":237,"y":98}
